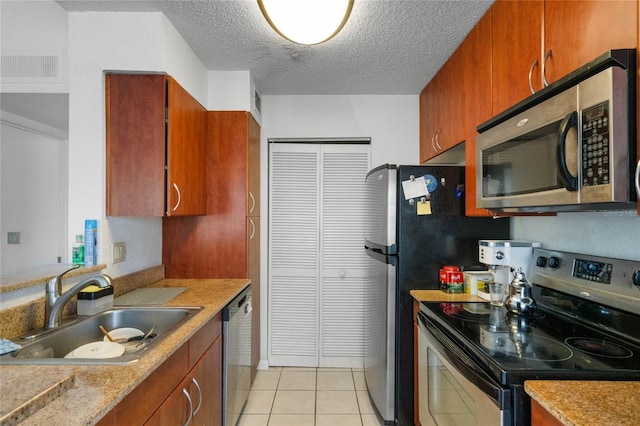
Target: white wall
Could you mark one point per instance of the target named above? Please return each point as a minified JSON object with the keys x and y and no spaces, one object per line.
{"x":117,"y":41}
{"x":390,"y":121}
{"x":34,"y":28}
{"x":609,"y":234}
{"x":33,"y":186}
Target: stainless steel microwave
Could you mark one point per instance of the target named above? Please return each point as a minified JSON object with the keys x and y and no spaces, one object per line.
{"x":569,"y":147}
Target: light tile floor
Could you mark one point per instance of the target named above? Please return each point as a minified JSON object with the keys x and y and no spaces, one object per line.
{"x":291,"y":396}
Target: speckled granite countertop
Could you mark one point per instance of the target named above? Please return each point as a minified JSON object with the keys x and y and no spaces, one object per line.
{"x":441,"y":296}
{"x":582,"y":403}
{"x":82,"y":394}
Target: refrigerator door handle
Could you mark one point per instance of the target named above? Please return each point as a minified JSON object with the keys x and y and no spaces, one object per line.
{"x":384,"y":258}
{"x":380,"y":248}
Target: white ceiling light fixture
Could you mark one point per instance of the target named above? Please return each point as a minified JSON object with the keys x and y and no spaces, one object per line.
{"x":306,"y":21}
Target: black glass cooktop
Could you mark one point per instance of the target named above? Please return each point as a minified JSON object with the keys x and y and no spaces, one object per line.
{"x":543,"y":345}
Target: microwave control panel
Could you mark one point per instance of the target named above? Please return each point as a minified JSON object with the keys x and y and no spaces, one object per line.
{"x":595,"y":145}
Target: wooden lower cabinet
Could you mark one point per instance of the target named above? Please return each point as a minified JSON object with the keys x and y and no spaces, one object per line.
{"x":416,"y":395}
{"x":195,"y":369}
{"x":198,"y":397}
{"x":541,"y":417}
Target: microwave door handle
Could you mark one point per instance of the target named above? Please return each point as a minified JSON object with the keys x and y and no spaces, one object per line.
{"x":569,"y":181}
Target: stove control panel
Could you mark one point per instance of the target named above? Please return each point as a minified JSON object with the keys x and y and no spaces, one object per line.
{"x":592,"y":270}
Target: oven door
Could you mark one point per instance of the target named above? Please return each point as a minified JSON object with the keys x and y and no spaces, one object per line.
{"x":531,"y":159}
{"x":452,"y":389}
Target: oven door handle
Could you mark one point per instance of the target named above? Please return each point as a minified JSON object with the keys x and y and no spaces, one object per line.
{"x":468,"y":368}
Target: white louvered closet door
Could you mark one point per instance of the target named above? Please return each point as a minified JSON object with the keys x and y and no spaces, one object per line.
{"x":317,"y":262}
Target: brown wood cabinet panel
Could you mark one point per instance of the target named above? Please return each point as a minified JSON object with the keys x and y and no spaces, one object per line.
{"x":253,"y":243}
{"x":578,"y":32}
{"x":186,"y":158}
{"x":451,"y":102}
{"x":141,"y":151}
{"x":208,"y":373}
{"x":517,"y":45}
{"x":203,"y":384}
{"x":254,"y":168}
{"x":476,"y":48}
{"x":416,"y":395}
{"x":541,"y":417}
{"x":428,"y":120}
{"x":138,"y":406}
{"x":201,"y":340}
{"x":442,"y":110}
{"x":135,"y":144}
{"x":215,"y":245}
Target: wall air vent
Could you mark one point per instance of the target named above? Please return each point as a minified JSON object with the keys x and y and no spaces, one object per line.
{"x":257,"y":103}
{"x":32,"y":67}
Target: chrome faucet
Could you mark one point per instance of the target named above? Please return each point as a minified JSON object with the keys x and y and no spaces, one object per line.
{"x":55,"y":300}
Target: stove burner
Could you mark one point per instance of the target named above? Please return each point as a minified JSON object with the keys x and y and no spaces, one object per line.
{"x":603,"y":348}
{"x":524,"y":346}
{"x":477,"y":312}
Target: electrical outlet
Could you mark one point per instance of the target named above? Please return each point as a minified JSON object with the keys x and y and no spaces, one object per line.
{"x":119,"y":252}
{"x":13,"y":237}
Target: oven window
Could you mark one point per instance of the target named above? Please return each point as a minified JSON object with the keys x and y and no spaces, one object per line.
{"x":525,"y":164}
{"x":449,"y":403}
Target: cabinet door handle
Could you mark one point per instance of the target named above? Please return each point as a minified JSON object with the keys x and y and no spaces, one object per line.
{"x":253,"y":202}
{"x":533,"y":65}
{"x":544,"y":64}
{"x":433,"y":142}
{"x":179,"y":198}
{"x":253,"y":229}
{"x":638,"y":180}
{"x":184,"y":391}
{"x":195,"y":382}
{"x":438,"y":147}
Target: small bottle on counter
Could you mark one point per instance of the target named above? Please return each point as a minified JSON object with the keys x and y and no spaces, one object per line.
{"x":77,"y":251}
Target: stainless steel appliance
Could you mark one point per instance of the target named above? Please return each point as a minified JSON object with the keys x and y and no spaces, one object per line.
{"x":410,"y":240}
{"x":236,"y":376}
{"x":584,"y":328}
{"x":571,"y":146}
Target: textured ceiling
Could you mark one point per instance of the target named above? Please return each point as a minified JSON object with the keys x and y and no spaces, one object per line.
{"x":386,"y":47}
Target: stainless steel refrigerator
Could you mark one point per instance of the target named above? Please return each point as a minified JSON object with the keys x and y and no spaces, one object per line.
{"x":410,"y":240}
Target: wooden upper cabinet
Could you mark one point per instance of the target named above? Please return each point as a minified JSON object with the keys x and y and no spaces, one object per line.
{"x":515,"y":56}
{"x":428,"y":120}
{"x":538,"y":42}
{"x":578,"y":32}
{"x":442,"y":110}
{"x":234,"y":163}
{"x":253,"y":178}
{"x":155,"y":147}
{"x":476,"y":82}
{"x":451,"y":102}
{"x":219,"y":238}
{"x":186,"y":153}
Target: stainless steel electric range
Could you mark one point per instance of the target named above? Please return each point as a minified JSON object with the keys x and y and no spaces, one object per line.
{"x":474,"y":357}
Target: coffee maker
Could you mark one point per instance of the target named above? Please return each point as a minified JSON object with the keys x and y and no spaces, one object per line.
{"x":506,"y":257}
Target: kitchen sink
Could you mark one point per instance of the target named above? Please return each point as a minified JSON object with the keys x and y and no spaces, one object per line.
{"x":52,"y":347}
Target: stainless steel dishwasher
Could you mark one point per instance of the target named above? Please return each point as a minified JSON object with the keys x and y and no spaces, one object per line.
{"x":236,"y":341}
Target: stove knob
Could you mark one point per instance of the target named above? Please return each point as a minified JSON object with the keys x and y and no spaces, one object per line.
{"x":541,"y":261}
{"x":636,"y":278}
{"x":554,"y":262}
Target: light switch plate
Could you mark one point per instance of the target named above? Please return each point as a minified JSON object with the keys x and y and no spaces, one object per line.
{"x":119,"y":252}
